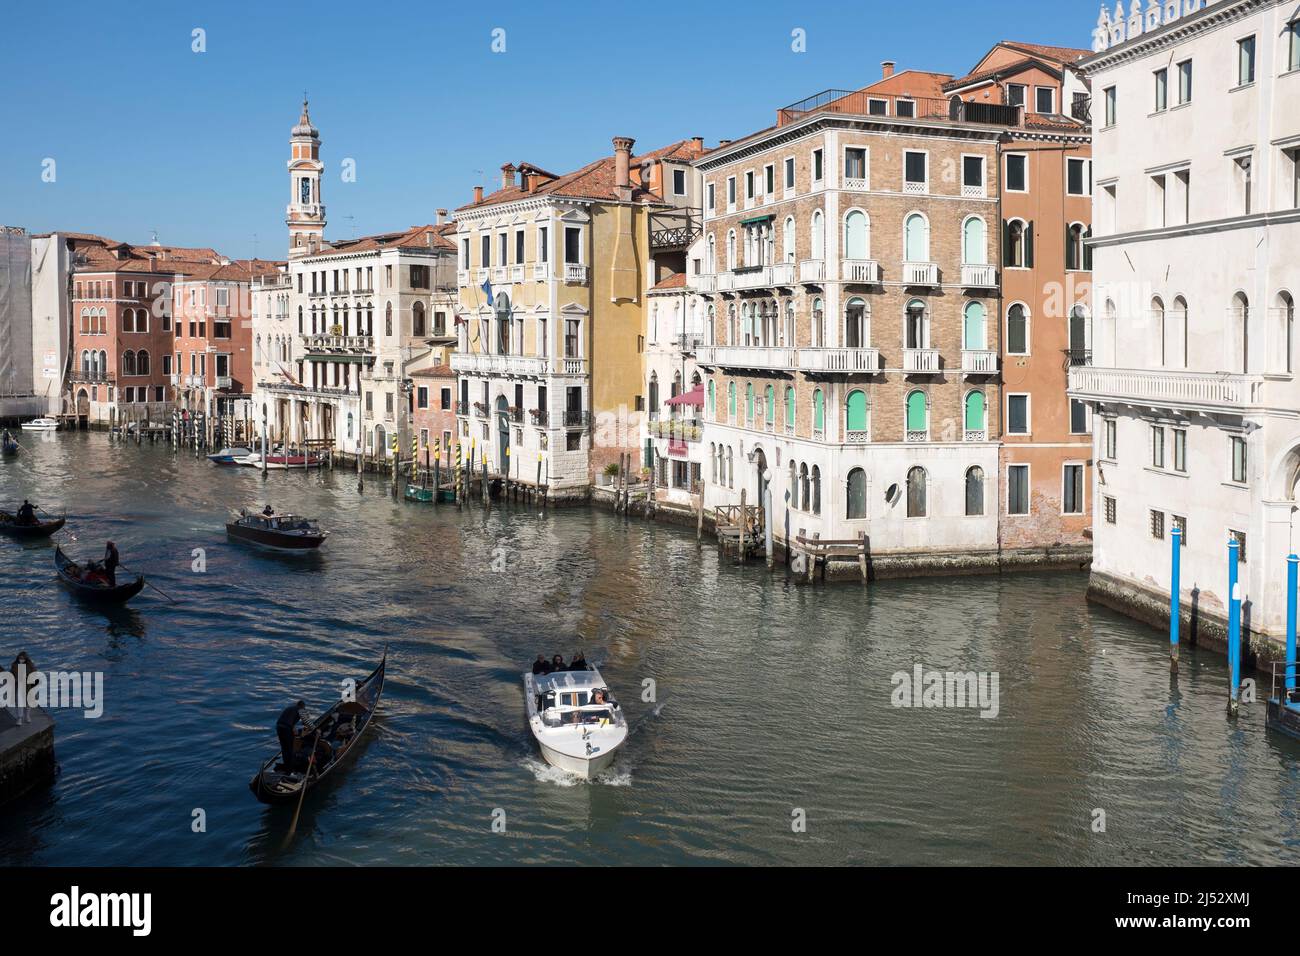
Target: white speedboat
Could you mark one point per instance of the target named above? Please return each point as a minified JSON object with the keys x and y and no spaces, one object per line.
{"x":41,"y":425}
{"x":576,"y":721}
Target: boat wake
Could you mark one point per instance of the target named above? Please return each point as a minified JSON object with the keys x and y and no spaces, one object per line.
{"x":616,"y":775}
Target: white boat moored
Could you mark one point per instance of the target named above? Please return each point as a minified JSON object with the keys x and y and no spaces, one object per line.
{"x":41,"y":425}
{"x":575,"y":720}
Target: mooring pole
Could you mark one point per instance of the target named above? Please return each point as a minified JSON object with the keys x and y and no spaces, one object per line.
{"x":1234,"y":626}
{"x":1292,"y":572}
{"x":1175,"y":598}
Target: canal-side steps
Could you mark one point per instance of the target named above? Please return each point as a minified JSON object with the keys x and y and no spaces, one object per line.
{"x":26,"y":750}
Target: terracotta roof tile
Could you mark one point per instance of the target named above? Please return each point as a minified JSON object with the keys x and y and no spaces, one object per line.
{"x":675,"y":281}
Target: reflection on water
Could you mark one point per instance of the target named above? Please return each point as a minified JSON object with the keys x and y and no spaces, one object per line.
{"x":775,"y":696}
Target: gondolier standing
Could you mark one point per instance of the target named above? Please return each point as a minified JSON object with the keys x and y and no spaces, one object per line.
{"x":284,"y":729}
{"x":26,"y":514}
{"x":111,"y":561}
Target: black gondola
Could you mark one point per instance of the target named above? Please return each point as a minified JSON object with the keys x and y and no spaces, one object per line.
{"x":339,"y":729}
{"x":42,"y":529}
{"x":97,"y":589}
{"x":8,"y":447}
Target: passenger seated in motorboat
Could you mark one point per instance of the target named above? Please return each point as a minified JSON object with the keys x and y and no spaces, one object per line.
{"x":557,"y":663}
{"x":540,"y":666}
{"x":579,"y":662}
{"x":268,"y":511}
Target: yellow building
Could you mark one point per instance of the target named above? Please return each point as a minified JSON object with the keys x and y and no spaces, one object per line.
{"x":551,"y":313}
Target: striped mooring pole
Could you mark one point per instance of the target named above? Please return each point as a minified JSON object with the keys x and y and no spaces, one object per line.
{"x":1175,"y":599}
{"x":1234,"y":626}
{"x":1292,"y":573}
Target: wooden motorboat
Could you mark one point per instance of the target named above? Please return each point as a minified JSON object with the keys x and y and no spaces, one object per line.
{"x":576,"y":732}
{"x":419,"y":493}
{"x":229,"y":456}
{"x":281,"y":532}
{"x":41,"y":529}
{"x":338,"y":729}
{"x":283,"y":460}
{"x":90,"y":582}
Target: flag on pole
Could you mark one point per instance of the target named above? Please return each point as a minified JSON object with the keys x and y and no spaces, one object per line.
{"x":487,"y":291}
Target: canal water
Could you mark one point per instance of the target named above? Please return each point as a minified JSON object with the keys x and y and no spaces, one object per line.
{"x":771,"y":737}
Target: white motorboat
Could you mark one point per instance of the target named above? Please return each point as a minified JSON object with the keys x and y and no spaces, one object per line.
{"x":575,"y":719}
{"x":41,"y":425}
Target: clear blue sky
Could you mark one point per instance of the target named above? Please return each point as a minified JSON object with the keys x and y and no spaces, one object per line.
{"x":149,"y":135}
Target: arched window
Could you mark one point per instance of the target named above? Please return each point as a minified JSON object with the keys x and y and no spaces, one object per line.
{"x":713,"y":400}
{"x":85,"y":362}
{"x":349,"y":425}
{"x":103,"y":321}
{"x":711,"y":331}
{"x":711,"y":258}
{"x":975,"y":419}
{"x":787,"y":240}
{"x":856,"y":422}
{"x":388,"y":318}
{"x":749,"y":402}
{"x":857,"y":326}
{"x":417,"y":320}
{"x":857,"y":239}
{"x":128,"y":362}
{"x":818,"y":324}
{"x":102,"y":365}
{"x":1018,"y":245}
{"x":918,"y":418}
{"x":142,"y":362}
{"x":818,"y":236}
{"x":787,"y":332}
{"x":1158,"y":342}
{"x":794,"y":486}
{"x":789,"y":409}
{"x":973,"y":327}
{"x":1176,"y":323}
{"x":1285,"y":332}
{"x":1074,"y":235}
{"x":746,"y":324}
{"x":1017,"y":330}
{"x":974,"y":491}
{"x":141,"y":320}
{"x":819,"y":412}
{"x":731,"y":401}
{"x":974,"y":242}
{"x":769,"y":402}
{"x":816,"y":490}
{"x":857,"y":495}
{"x":804,"y":497}
{"x":916,"y":239}
{"x":1241,"y":332}
{"x":654,"y":395}
{"x":731,"y":469}
{"x":916,"y":492}
{"x":731,"y":249}
{"x":917,"y":326}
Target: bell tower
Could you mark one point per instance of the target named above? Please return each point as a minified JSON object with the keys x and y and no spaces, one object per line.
{"x":305,"y":215}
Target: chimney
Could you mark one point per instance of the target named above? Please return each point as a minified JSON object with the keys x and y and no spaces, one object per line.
{"x":442,"y":216}
{"x":697,"y":142}
{"x":507,"y":175}
{"x":478,"y":193}
{"x":622,"y":160}
{"x":887,"y":69}
{"x":723,"y":142}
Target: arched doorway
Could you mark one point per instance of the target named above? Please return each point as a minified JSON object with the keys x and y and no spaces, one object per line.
{"x":83,"y":407}
{"x":381,"y":442}
{"x":760,"y":467}
{"x":503,"y":434}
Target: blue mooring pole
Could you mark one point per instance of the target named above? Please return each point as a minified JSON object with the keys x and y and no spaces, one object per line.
{"x":1292,"y":573}
{"x":1234,"y":626}
{"x":1175,"y":599}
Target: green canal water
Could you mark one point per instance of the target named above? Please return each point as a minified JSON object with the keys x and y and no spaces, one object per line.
{"x":772,"y":701}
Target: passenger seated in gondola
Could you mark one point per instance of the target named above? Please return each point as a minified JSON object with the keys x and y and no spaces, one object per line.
{"x":26,"y":513}
{"x":540,"y":666}
{"x":579,"y":662}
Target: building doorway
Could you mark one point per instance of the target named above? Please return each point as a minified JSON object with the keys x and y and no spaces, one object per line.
{"x":503,"y":435}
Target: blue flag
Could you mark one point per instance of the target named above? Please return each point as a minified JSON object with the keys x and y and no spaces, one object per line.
{"x":487,"y":290}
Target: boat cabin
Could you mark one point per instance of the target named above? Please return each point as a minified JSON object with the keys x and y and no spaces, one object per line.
{"x":282,"y":522}
{"x":570,"y":697}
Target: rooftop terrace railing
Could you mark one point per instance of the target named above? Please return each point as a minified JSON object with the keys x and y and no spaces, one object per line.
{"x":887,"y":105}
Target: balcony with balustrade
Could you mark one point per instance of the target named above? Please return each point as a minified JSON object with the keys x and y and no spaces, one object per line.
{"x":839,"y":361}
{"x":1213,"y":392}
{"x":979,"y":362}
{"x":921,"y":361}
{"x":575,"y":273}
{"x":748,"y":357}
{"x":860,"y":271}
{"x":812,"y":270}
{"x":751,"y":277}
{"x":920,"y":273}
{"x":703,"y":283}
{"x":333,"y":345}
{"x":979,"y":276}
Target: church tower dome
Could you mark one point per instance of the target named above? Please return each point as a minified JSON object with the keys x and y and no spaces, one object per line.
{"x":305,"y":215}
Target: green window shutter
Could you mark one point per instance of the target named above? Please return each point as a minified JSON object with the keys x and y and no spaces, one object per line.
{"x":770,"y":411}
{"x":1029,"y":245}
{"x":749,"y":400}
{"x":975,"y":412}
{"x":856,"y":417}
{"x":789,"y":406}
{"x":1006,"y":243}
{"x":712,"y":398}
{"x":916,"y":412}
{"x":819,"y":411}
{"x":731,"y":399}
{"x":1087,"y":250}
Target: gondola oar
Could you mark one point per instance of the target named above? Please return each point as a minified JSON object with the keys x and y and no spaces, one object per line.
{"x":148,"y":582}
{"x":293,"y":826}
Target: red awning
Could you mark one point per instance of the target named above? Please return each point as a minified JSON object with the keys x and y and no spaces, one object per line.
{"x":694,"y":397}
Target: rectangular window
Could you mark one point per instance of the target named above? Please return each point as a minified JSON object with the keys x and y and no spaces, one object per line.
{"x":972,"y":172}
{"x":1110,"y":509}
{"x":422,"y":397}
{"x":572,"y":245}
{"x":710,"y":192}
{"x":1112,"y":443}
{"x":905,"y":108}
{"x":915,"y":172}
{"x":877,"y":107}
{"x":1017,"y":489}
{"x":769,"y":179}
{"x":571,"y":349}
{"x":1017,"y":173}
{"x":1044,"y":99}
{"x":731,"y":191}
{"x":1240,"y":538}
{"x":817,"y":171}
{"x":1239,"y":460}
{"x":1179,"y":524}
{"x":1292,"y":157}
{"x":485,"y":258}
{"x":1162,"y":90}
{"x":1180,"y":450}
{"x":679,"y":182}
{"x":1184,"y":82}
{"x":1246,"y":61}
{"x":543,"y":244}
{"x":855,"y":163}
{"x":1293,"y":45}
{"x":1109,"y":98}
{"x":789,"y":173}
{"x":1245,"y":176}
{"x":1078,"y":176}
{"x":445,"y":399}
{"x":1072,"y":490}
{"x":1016,"y":93}
{"x":1158,"y":525}
{"x":749,"y":185}
{"x":519,"y":246}
{"x":1017,"y":414}
{"x":1157,"y":446}
{"x":1078,"y":417}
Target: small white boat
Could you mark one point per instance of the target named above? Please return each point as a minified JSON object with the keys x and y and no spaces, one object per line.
{"x":41,"y":425}
{"x":578,"y":732}
{"x":253,"y":458}
{"x":229,"y":456}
